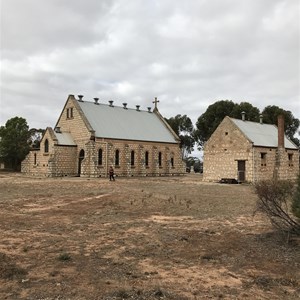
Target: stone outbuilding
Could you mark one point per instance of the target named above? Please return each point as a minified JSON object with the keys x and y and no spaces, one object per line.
{"x":90,"y":136}
{"x":249,"y":151}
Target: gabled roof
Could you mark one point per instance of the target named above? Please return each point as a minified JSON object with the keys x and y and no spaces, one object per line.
{"x":128,"y":124}
{"x":264,"y":135}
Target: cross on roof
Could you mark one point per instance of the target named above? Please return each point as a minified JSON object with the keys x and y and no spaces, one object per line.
{"x":155,"y":102}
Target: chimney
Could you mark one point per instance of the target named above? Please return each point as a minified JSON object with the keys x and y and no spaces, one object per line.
{"x":261,"y":119}
{"x":280,"y":131}
{"x":111,"y":103}
{"x":243,"y":115}
{"x":125,"y":105}
{"x":96,"y":100}
{"x":80,"y":98}
{"x":149,"y":109}
{"x":138,"y":107}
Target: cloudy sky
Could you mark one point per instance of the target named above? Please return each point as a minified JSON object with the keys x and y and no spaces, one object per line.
{"x":189,"y":54}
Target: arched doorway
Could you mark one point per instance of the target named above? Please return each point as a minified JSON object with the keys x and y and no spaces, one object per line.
{"x":80,"y":159}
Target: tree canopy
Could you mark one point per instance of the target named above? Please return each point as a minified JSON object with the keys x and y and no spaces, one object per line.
{"x":291,"y":124}
{"x":183,"y":127}
{"x":14,"y":146}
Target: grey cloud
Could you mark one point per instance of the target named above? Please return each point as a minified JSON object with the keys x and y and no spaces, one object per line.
{"x":188,"y":53}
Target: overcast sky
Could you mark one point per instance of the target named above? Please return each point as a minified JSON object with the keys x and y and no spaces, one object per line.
{"x":189,"y":54}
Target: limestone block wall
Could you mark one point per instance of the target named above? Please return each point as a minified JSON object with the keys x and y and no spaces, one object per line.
{"x":222,"y":152}
{"x":131,"y":158}
{"x":63,"y":161}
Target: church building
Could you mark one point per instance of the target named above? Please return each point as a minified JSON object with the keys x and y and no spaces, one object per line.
{"x":90,"y":136}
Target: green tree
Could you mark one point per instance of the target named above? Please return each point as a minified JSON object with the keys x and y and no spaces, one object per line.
{"x":252,"y":112}
{"x":35,"y":137}
{"x":183,"y":127}
{"x":291,"y":124}
{"x":14,"y":145}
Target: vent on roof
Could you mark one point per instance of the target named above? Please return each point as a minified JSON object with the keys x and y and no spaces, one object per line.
{"x":243,"y":116}
{"x":80,"y":98}
{"x":261,"y":119}
{"x":138,"y":107}
{"x":96,"y":100}
{"x":111,"y":103}
{"x":125,"y":105}
{"x":149,"y":109}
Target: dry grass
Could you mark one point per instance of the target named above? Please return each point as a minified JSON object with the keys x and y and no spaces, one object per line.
{"x":139,"y":238}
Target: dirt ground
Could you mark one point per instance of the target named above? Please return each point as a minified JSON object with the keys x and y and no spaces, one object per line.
{"x":139,"y":238}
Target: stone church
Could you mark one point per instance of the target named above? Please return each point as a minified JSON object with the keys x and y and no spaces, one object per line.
{"x":90,"y":136}
{"x":249,"y":151}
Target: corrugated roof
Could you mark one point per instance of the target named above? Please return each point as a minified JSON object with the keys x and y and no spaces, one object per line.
{"x":128,"y":124}
{"x":64,"y":138}
{"x":264,"y":135}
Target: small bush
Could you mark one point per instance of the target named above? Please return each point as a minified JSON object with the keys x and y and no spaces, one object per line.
{"x":275,"y":202}
{"x":296,"y":200}
{"x":64,"y":257}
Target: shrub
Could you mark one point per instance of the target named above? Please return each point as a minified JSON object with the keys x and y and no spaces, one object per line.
{"x":64,"y":256}
{"x":274,"y":200}
{"x":296,"y":200}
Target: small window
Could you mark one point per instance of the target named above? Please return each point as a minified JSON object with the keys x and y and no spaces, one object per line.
{"x":100,"y":152}
{"x":46,"y":146}
{"x":34,"y":159}
{"x":147,"y":158}
{"x":263,"y":159}
{"x":132,"y":158}
{"x":117,"y":157}
{"x":226,"y":133}
{"x":71,"y":112}
{"x":290,"y":156}
{"x":172,"y":162}
{"x":68,"y":113}
{"x":159,"y":159}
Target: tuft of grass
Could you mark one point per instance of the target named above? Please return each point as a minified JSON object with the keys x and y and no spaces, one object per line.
{"x":64,"y":256}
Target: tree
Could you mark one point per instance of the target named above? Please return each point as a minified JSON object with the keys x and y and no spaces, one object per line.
{"x":291,"y":124}
{"x":215,"y":113}
{"x":14,"y":146}
{"x":252,"y":112}
{"x":183,"y":127}
{"x":35,"y":137}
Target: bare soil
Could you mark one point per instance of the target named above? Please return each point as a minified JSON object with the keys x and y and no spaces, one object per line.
{"x":139,"y":238}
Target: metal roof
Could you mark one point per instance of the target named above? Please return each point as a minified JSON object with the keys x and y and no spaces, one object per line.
{"x":64,"y":138}
{"x":128,"y":124}
{"x":265,"y":135}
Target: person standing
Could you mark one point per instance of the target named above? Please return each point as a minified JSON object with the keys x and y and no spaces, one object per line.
{"x":111,"y":174}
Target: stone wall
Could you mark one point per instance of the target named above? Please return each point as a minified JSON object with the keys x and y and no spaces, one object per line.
{"x":222,"y":152}
{"x":277,"y":163}
{"x":128,"y":165}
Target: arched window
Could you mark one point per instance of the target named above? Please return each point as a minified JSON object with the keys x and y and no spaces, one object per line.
{"x":117,"y":158}
{"x":100,"y":157}
{"x":159,"y":159}
{"x":172,"y":162}
{"x":147,"y":158}
{"x":46,"y":148}
{"x":132,"y":158}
